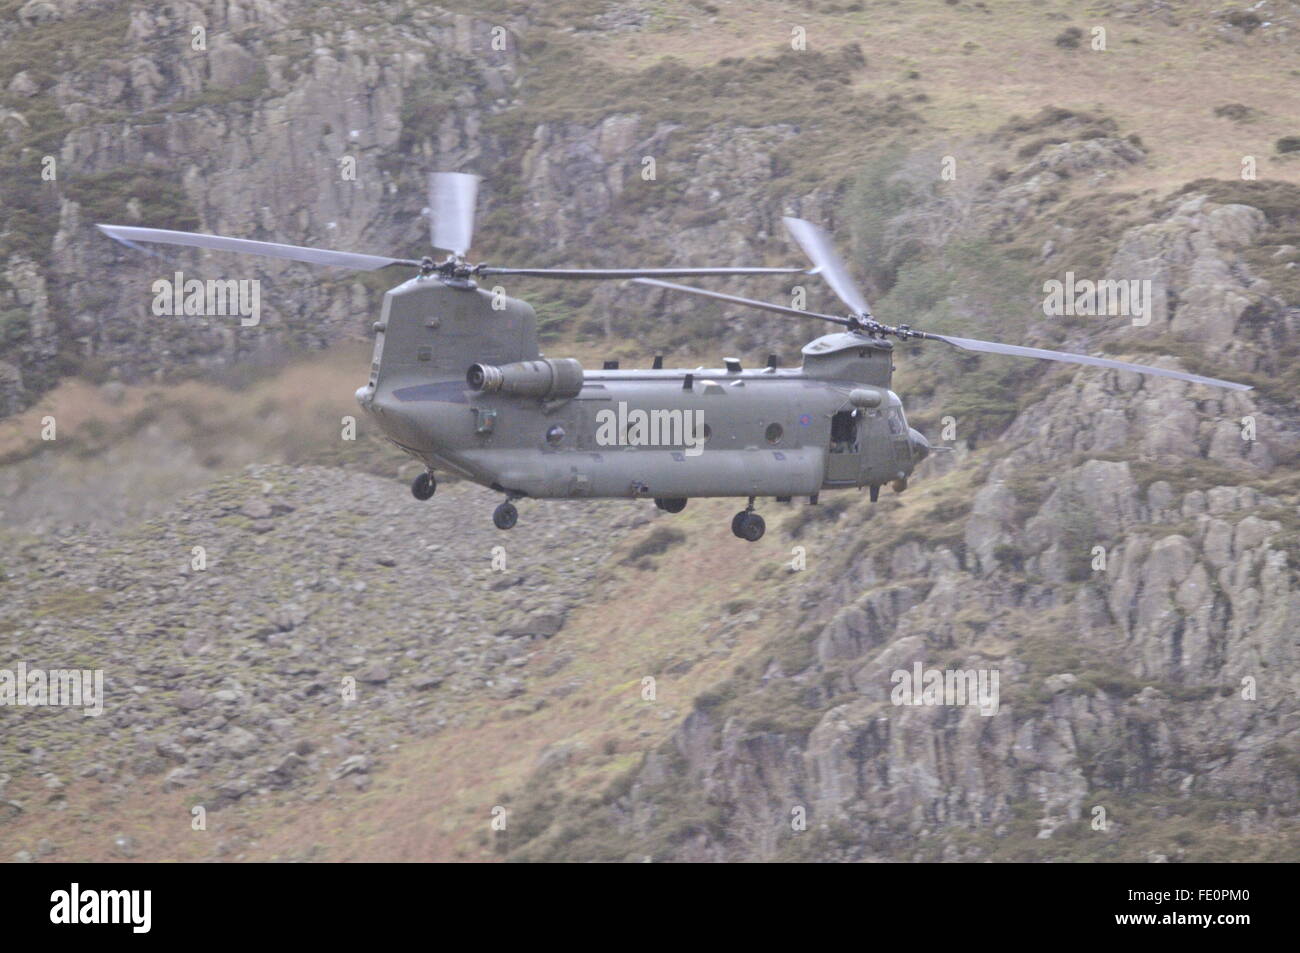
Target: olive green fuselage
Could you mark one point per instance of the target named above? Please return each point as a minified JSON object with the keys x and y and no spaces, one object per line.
{"x":670,"y":433}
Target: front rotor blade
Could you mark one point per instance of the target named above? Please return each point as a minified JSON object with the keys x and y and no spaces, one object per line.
{"x":629,"y":272}
{"x":819,"y":249}
{"x":734,"y":299}
{"x":126,"y":234}
{"x":991,"y":347}
{"x":452,"y":196}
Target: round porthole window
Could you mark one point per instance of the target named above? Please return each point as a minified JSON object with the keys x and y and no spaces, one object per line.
{"x":774,"y":433}
{"x":555,"y":435}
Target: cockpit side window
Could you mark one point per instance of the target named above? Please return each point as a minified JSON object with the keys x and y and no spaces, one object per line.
{"x":896,"y":425}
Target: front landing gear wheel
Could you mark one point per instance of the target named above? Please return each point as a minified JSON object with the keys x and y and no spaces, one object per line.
{"x":671,"y":504}
{"x":505,"y":516}
{"x":422,"y":487}
{"x":748,"y":526}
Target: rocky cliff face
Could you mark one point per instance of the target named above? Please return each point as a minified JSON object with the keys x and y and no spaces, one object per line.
{"x":1120,"y":551}
{"x":253,"y":119}
{"x":1140,"y":619}
{"x":290,"y":127}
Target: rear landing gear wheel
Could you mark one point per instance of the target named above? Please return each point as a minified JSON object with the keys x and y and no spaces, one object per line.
{"x":423,"y":486}
{"x":671,"y":504}
{"x":505,"y":516}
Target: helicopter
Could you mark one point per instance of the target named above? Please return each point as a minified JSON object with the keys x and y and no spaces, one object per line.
{"x":457,"y":382}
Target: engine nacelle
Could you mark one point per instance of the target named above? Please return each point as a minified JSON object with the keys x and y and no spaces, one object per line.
{"x":865,"y":397}
{"x":544,"y":378}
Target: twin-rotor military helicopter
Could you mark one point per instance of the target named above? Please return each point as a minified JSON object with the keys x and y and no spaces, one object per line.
{"x":457,"y":381}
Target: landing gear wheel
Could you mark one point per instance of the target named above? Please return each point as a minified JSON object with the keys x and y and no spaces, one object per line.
{"x":671,"y":504}
{"x":748,"y":526}
{"x":505,"y":516}
{"x":422,"y":486}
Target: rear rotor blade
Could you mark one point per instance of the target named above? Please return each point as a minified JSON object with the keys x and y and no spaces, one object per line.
{"x":991,"y":347}
{"x":127,"y":234}
{"x":629,"y":272}
{"x":452,"y":196}
{"x":819,"y":249}
{"x":748,"y":302}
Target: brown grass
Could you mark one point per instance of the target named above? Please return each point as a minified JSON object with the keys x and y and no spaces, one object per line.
{"x":1152,"y":78}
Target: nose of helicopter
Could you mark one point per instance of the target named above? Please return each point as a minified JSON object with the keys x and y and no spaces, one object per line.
{"x":920,"y":446}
